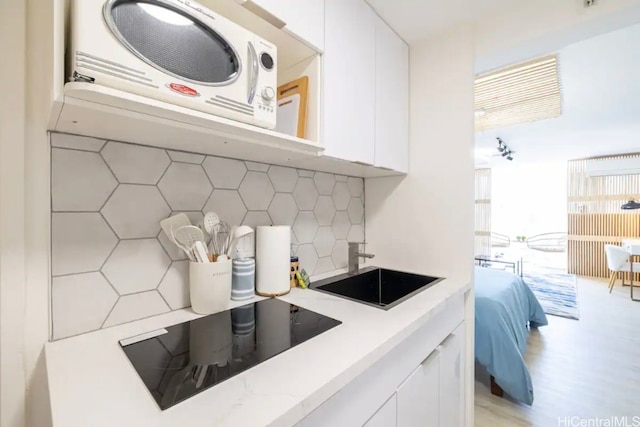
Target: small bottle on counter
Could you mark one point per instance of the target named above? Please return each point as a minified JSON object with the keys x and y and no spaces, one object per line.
{"x":295,"y":268}
{"x":243,"y":275}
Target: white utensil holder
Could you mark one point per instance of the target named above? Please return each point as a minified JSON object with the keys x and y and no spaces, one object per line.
{"x":210,"y":286}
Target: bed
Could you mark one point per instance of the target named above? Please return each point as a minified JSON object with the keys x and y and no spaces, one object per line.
{"x":505,"y":307}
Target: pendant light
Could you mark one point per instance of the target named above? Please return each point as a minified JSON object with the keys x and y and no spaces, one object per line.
{"x":631,"y":204}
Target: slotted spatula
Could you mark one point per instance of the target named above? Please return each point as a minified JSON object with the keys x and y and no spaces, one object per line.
{"x":173,"y":223}
{"x":186,"y":237}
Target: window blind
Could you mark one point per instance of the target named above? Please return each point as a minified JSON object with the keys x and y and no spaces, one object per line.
{"x":521,"y":93}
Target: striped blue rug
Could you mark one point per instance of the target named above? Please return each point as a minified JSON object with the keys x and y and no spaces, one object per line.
{"x":556,"y":292}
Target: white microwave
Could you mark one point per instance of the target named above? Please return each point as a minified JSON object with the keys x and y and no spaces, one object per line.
{"x":175,"y":51}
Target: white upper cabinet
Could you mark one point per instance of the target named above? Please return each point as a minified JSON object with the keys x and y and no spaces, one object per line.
{"x":349,"y":80}
{"x":392,"y":99}
{"x":303,"y":19}
{"x":366,"y":88}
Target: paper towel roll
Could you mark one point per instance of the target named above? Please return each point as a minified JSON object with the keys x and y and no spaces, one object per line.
{"x":272,"y":260}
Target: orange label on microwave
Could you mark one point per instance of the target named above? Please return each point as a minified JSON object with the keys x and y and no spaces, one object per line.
{"x":185,"y":90}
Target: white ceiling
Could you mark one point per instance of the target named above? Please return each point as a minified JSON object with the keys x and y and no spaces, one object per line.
{"x":600,"y":80}
{"x":417,"y":19}
{"x":600,"y":75}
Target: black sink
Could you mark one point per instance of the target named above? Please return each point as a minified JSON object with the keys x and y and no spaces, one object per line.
{"x":376,"y":286}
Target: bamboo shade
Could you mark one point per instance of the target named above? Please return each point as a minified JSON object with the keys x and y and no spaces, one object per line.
{"x":521,"y":93}
{"x":595,"y":217}
{"x":483,"y":212}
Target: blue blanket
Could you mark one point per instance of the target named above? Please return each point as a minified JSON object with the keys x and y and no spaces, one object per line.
{"x":504,"y":307}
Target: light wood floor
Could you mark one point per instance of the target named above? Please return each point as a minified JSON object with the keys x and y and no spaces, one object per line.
{"x":586,"y":368}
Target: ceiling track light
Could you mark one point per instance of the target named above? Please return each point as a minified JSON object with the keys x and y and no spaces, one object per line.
{"x":504,"y":150}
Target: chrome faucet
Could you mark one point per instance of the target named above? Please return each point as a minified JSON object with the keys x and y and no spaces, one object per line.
{"x":355,"y":255}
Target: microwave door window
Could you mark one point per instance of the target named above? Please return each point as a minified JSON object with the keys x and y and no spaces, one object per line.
{"x":173,"y":41}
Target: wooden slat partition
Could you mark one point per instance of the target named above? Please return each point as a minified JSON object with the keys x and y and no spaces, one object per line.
{"x":595,"y":218}
{"x":588,"y":233}
{"x":483,"y":212}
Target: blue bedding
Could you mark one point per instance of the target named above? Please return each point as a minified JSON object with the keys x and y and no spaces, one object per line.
{"x":504,"y":307}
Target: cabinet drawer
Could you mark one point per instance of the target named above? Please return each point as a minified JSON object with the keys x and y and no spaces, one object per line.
{"x":386,"y":416}
{"x":418,"y":396}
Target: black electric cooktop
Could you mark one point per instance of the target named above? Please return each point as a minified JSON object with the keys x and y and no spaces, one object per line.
{"x":182,"y":360}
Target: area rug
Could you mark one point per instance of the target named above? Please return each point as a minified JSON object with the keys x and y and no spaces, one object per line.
{"x":556,"y":292}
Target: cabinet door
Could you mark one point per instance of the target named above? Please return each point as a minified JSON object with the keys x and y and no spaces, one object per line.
{"x":392,"y":99}
{"x":418,"y":396}
{"x":304,"y":19}
{"x":452,"y":365}
{"x":386,"y":415}
{"x":349,"y":80}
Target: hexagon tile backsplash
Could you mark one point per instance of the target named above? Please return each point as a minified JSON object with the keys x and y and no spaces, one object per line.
{"x":112,"y":264}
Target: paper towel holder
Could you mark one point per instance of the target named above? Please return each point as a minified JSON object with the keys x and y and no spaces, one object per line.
{"x":273,"y":260}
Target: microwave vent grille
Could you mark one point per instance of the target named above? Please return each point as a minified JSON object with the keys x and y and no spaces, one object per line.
{"x":94,"y":63}
{"x":230,"y":104}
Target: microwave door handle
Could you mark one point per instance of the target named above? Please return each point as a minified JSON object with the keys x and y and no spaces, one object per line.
{"x":253,"y":72}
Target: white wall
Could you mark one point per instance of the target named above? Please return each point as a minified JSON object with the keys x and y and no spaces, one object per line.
{"x":12,"y":250}
{"x":42,"y":46}
{"x":27,"y":45}
{"x":424,"y":222}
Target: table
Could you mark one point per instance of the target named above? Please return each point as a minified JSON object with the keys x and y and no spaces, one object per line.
{"x":633,"y":247}
{"x":516,"y":266}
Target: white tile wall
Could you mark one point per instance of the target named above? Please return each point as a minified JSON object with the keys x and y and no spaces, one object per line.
{"x":112,"y":264}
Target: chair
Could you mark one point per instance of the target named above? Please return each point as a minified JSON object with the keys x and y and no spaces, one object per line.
{"x":618,"y":261}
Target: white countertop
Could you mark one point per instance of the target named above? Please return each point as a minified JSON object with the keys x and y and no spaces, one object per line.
{"x":92,"y":383}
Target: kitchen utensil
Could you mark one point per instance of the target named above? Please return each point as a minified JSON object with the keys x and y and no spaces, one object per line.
{"x":220,"y":237}
{"x":173,"y":223}
{"x":187,"y":236}
{"x":200,"y":252}
{"x":188,"y":252}
{"x":210,"y":220}
{"x":238,"y":233}
{"x":184,"y":248}
{"x":230,"y":238}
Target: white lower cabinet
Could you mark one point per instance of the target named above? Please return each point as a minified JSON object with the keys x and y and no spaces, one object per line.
{"x":418,"y":396}
{"x":386,"y":416}
{"x":433,"y":395}
{"x":420,"y":382}
{"x":451,"y":364}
